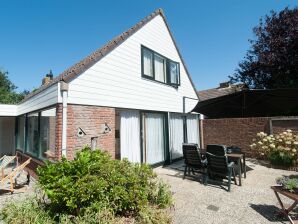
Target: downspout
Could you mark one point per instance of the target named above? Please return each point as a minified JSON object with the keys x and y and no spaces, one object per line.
{"x":64,"y":93}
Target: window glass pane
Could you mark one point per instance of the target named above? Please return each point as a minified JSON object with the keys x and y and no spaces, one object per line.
{"x":148,"y":62}
{"x":160,"y":68}
{"x":174,"y":72}
{"x":21,"y":133}
{"x":32,"y":136}
{"x":47,"y":132}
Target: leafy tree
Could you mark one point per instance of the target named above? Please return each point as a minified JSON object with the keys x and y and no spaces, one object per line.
{"x":272,"y":61}
{"x":8,"y":94}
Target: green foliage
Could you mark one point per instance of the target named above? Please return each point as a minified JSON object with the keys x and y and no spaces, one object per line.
{"x":280,"y":149}
{"x":25,"y":212}
{"x":95,"y":181}
{"x":7,"y":90}
{"x":149,"y":215}
{"x":28,"y":211}
{"x":162,"y":196}
{"x":280,"y":158}
{"x":290,"y":184}
{"x":272,"y":61}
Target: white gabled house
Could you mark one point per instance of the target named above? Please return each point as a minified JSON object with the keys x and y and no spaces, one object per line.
{"x":132,"y":97}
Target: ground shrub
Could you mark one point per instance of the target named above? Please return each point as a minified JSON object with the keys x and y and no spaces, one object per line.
{"x":280,"y":149}
{"x":25,"y":212}
{"x":29,"y":211}
{"x":94,"y":188}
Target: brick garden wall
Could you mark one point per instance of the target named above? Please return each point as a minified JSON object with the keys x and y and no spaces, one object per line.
{"x":240,"y":131}
{"x":90,"y":119}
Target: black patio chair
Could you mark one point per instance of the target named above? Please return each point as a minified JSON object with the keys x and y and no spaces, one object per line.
{"x":218,"y":167}
{"x":217,"y":150}
{"x":193,"y":160}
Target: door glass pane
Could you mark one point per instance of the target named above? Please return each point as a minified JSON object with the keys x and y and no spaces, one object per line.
{"x":192,"y":124}
{"x":21,"y":133}
{"x":32,"y":136}
{"x":154,"y":141}
{"x":47,"y":132}
{"x":176,"y":135}
{"x":130,"y":135}
{"x":159,"y":68}
{"x":148,"y":62}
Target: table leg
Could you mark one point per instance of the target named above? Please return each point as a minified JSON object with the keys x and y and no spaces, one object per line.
{"x":286,"y":211}
{"x":244,"y":166}
{"x":239,"y":171}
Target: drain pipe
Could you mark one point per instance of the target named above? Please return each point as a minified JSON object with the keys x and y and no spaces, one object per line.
{"x":64,"y":91}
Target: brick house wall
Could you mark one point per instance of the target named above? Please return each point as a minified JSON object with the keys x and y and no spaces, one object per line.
{"x":90,"y":119}
{"x":240,"y":131}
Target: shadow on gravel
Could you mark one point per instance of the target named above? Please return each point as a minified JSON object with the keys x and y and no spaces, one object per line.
{"x":270,"y":212}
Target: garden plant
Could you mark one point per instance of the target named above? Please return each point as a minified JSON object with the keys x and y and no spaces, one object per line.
{"x":280,"y":149}
{"x":94,"y":188}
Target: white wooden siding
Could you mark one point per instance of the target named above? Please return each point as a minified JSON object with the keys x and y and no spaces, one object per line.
{"x":8,"y":110}
{"x":44,"y":99}
{"x":116,"y":81}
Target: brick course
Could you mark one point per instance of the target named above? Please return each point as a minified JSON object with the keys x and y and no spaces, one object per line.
{"x":241,"y":131}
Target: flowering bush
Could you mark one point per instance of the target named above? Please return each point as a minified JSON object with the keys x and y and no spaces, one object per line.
{"x":280,"y":149}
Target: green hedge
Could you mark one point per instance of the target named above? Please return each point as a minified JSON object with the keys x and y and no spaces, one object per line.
{"x":95,"y":180}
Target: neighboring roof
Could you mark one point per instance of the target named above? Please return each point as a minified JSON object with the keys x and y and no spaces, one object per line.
{"x":220,"y":91}
{"x":251,"y":103}
{"x":94,"y":57}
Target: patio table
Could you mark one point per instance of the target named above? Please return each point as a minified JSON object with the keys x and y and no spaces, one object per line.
{"x":285,"y":211}
{"x":238,"y":157}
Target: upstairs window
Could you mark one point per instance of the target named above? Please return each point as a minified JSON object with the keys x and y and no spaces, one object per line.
{"x":159,"y":68}
{"x":174,"y":73}
{"x":160,"y":65}
{"x":147,"y":63}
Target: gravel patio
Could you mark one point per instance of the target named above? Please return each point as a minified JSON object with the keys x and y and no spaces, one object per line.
{"x":253,"y":202}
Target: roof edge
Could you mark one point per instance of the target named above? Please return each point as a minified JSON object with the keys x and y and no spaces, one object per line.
{"x":84,"y":64}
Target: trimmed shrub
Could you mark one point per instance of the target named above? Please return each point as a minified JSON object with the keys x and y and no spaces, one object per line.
{"x":279,"y":149}
{"x":93,"y":180}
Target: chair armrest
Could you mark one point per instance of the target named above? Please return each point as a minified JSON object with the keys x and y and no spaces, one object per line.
{"x":231,"y":164}
{"x":203,"y":155}
{"x":204,"y":161}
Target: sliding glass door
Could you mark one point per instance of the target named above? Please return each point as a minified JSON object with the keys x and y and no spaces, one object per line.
{"x":154,"y":138}
{"x":176,"y":135}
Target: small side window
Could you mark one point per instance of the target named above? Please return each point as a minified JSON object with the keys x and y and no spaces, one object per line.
{"x":147,"y":62}
{"x":160,"y":68}
{"x":174,"y":73}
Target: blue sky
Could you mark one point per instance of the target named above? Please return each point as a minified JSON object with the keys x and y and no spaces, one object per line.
{"x":37,"y":36}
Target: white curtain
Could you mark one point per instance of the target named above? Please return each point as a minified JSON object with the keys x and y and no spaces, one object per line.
{"x":154,"y":138}
{"x":159,"y":68}
{"x":147,"y":61}
{"x":192,"y":124}
{"x":176,"y":135}
{"x":130,"y":135}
